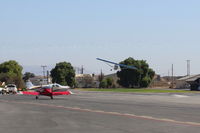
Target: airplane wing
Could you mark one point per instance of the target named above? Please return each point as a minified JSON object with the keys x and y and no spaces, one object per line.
{"x":122,"y":65}
{"x":34,"y":88}
{"x":30,"y":93}
{"x":62,"y":93}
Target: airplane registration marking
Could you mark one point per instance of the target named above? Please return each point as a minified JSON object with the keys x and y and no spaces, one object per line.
{"x":111,"y":113}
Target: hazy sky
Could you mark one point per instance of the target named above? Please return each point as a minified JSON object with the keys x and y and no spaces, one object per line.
{"x":45,"y":32}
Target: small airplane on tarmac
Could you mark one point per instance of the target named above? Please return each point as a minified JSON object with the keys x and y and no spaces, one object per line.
{"x":30,"y":86}
{"x":48,"y":90}
{"x":116,"y":65}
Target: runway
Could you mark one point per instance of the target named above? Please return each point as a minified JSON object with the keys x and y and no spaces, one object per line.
{"x":100,"y":112}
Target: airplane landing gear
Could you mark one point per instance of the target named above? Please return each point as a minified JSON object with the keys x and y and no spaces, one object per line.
{"x":36,"y":97}
{"x":51,"y":97}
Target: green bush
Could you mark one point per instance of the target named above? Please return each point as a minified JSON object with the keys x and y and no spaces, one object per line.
{"x":103,"y":84}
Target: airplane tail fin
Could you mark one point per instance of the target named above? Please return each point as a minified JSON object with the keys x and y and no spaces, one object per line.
{"x":29,"y":85}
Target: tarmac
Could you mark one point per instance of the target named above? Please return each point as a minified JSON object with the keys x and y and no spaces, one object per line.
{"x":101,"y":112}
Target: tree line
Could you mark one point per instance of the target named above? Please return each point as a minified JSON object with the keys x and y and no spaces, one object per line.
{"x":11,"y":73}
{"x":64,"y":74}
{"x":131,"y":78}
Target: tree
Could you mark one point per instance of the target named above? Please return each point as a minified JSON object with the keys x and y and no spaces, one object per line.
{"x":11,"y":72}
{"x":28,"y":75}
{"x":103,"y":84}
{"x":100,"y":77}
{"x":109,"y":82}
{"x":64,"y":74}
{"x":140,"y":77}
{"x":106,"y":83}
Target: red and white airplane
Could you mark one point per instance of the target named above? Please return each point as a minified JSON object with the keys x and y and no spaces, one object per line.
{"x":47,"y":90}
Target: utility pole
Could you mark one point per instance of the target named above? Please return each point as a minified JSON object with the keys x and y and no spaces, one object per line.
{"x":82,"y":69}
{"x":188,"y":67}
{"x":172,"y":76}
{"x":47,"y":77}
{"x":101,"y":76}
{"x":43,"y":67}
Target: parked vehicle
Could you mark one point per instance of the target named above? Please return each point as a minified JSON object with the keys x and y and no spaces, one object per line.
{"x":5,"y":91}
{"x":1,"y":89}
{"x":11,"y":88}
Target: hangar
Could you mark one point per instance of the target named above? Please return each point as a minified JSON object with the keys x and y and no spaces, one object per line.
{"x":192,"y":80}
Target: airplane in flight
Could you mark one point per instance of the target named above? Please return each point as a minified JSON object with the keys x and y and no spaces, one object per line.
{"x":117,"y":65}
{"x":47,"y":90}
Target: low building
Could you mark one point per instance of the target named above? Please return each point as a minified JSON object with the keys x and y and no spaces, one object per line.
{"x":40,"y":80}
{"x":87,"y":81}
{"x":193,"y":81}
{"x":160,"y":82}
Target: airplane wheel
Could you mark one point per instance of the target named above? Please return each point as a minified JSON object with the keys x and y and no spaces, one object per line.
{"x":36,"y":97}
{"x":51,"y":97}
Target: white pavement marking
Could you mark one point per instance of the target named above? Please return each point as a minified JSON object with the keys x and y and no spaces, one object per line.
{"x":180,"y":96}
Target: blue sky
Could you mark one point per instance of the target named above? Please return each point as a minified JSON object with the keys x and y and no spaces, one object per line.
{"x":45,"y":32}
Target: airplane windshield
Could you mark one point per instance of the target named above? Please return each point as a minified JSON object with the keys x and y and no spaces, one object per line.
{"x":10,"y":86}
